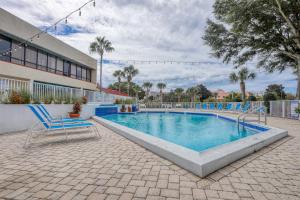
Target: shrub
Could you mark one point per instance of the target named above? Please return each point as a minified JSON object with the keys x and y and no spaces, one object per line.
{"x":58,"y":100}
{"x":15,"y":98}
{"x":22,"y":97}
{"x":84,"y":99}
{"x":297,"y":110}
{"x":118,"y":101}
{"x":36,"y":100}
{"x":25,"y":97}
{"x":48,"y":100}
{"x":76,"y":108}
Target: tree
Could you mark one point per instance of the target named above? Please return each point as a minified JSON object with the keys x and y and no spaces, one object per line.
{"x":241,"y":76}
{"x":267,"y":30}
{"x":161,"y":86}
{"x":179,"y":92}
{"x":99,"y":46}
{"x":202,"y":91}
{"x":191,"y":93}
{"x":147,"y":86}
{"x":276,"y":89}
{"x":124,"y":88}
{"x":119,"y":74}
{"x":129,"y":73}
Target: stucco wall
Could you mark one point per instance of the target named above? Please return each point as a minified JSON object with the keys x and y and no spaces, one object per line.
{"x":18,"y":117}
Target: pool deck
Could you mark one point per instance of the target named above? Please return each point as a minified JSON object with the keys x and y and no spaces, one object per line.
{"x":115,"y":168}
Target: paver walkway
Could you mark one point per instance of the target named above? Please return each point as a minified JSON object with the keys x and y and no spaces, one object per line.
{"x":115,"y":168}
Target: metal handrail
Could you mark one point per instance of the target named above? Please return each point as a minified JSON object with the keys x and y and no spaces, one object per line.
{"x":258,"y":110}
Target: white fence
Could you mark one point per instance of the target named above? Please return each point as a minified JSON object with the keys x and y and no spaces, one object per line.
{"x":42,"y":91}
{"x":284,"y":108}
{"x":197,"y":105}
{"x":8,"y":85}
{"x":279,"y":108}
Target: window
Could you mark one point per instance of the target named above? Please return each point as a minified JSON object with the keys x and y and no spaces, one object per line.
{"x":59,"y":66}
{"x":78,"y":73}
{"x":51,"y":63}
{"x":88,"y":75}
{"x":67,"y":68}
{"x":42,"y":61}
{"x":73,"y":70}
{"x":17,"y":54}
{"x":31,"y":56}
{"x":84,"y":74}
{"x":5,"y":44}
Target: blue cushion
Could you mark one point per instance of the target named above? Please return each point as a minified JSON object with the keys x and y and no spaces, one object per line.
{"x":69,"y":126}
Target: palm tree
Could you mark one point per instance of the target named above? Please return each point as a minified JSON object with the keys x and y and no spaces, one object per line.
{"x":242,"y":76}
{"x":147,"y":86}
{"x":178,"y":92}
{"x":129,"y":73}
{"x":99,"y":46}
{"x":119,"y":74}
{"x":191,"y":92}
{"x":161,"y":86}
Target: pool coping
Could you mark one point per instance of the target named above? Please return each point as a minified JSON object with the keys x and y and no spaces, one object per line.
{"x":204,"y":162}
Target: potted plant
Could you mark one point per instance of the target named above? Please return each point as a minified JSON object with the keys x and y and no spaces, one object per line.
{"x":123,"y":108}
{"x":129,"y":108}
{"x":76,"y":110}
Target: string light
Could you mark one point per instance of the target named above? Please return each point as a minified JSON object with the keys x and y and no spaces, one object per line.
{"x":66,"y":20}
{"x":119,"y":61}
{"x":37,"y":35}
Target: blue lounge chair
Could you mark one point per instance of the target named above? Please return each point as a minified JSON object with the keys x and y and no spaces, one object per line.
{"x":238,"y":107}
{"x":212,"y":106}
{"x":57,"y":126}
{"x":204,"y":106}
{"x":52,"y":119}
{"x":246,"y":107}
{"x":229,"y":107}
{"x":220,"y":106}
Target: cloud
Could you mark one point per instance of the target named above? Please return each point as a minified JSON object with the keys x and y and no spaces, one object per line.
{"x":145,"y":30}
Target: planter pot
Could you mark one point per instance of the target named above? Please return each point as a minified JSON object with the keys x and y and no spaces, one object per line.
{"x":73,"y":115}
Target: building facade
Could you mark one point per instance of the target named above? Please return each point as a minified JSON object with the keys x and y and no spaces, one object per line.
{"x":45,"y":60}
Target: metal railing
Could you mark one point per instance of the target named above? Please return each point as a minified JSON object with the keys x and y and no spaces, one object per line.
{"x":43,"y":91}
{"x":197,"y":105}
{"x":284,"y":108}
{"x":8,"y":85}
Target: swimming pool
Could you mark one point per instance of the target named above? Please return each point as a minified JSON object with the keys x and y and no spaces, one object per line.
{"x":199,"y":142}
{"x":194,"y":131}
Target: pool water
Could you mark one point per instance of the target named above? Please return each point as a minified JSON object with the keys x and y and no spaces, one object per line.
{"x":194,"y":131}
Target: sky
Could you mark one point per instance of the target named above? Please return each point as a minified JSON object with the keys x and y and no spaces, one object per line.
{"x":146,"y":30}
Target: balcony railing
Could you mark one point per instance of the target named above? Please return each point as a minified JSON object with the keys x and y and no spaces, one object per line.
{"x":42,"y":91}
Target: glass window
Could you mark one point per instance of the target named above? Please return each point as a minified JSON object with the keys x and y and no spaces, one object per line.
{"x":42,"y":60}
{"x":73,"y":70}
{"x":67,"y":68}
{"x":88,"y":75}
{"x":84,"y":74}
{"x":17,"y":54}
{"x":31,"y":56}
{"x":51,"y":63}
{"x":5,"y":44}
{"x":78,"y":74}
{"x":59,"y":66}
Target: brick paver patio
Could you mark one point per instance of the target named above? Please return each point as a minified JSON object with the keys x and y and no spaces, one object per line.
{"x":115,"y":168}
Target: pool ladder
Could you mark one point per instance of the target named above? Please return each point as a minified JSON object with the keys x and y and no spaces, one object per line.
{"x":261,"y":116}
